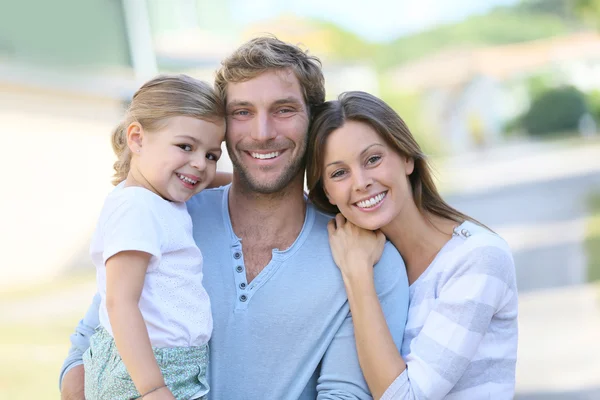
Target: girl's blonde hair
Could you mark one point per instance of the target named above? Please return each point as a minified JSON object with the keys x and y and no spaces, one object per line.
{"x":368,"y":109}
{"x":158,"y":100}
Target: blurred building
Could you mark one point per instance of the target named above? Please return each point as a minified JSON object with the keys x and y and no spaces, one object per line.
{"x":67,"y":69}
{"x":470,"y":94}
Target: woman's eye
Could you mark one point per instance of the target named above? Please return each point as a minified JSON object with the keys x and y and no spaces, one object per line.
{"x":373,"y":159}
{"x":337,"y":173}
{"x":185,"y":147}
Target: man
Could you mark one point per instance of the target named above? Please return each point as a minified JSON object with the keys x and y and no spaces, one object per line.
{"x":282,"y":327}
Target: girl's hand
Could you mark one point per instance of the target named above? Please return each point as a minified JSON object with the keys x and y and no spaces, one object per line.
{"x":354,"y":249}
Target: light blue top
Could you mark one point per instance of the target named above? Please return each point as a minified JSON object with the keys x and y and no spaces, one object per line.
{"x":288,"y":334}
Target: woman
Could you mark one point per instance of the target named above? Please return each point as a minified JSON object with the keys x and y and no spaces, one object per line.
{"x":460,"y":340}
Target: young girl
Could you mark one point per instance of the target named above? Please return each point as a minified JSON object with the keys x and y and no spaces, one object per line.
{"x":155,"y":317}
{"x":460,"y":340}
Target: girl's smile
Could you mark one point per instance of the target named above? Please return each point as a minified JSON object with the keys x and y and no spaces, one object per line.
{"x":177,"y":161}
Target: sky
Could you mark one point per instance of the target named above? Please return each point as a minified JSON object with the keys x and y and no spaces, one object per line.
{"x":374,"y":20}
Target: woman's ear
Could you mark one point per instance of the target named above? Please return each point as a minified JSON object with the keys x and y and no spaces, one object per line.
{"x":135,"y":136}
{"x":409,"y":165}
{"x":328,"y":197}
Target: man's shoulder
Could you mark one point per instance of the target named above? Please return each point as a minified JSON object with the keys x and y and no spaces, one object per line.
{"x":206,"y":198}
{"x":321,"y":218}
{"x":391,"y":258}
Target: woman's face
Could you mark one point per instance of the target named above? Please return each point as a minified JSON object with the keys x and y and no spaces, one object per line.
{"x":364,"y":177}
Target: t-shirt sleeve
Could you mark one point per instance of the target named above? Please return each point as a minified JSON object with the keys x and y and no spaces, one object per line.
{"x":131,"y":224}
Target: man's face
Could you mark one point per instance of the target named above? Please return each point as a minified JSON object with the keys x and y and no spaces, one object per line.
{"x":267,"y":130}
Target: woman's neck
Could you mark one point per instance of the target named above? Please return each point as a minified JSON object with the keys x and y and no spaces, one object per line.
{"x":419,"y":238}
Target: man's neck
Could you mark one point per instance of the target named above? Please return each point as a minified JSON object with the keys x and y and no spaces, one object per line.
{"x":279,"y":215}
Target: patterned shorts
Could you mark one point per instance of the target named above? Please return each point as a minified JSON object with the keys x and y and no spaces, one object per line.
{"x":106,"y":377}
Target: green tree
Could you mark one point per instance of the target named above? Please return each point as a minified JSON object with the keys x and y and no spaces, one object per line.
{"x":589,"y":11}
{"x":557,"y":110}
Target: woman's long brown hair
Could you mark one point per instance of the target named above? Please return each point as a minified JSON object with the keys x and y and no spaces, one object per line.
{"x":366,"y":108}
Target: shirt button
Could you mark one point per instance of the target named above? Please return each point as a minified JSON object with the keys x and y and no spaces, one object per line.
{"x":239,"y":268}
{"x":242,"y":285}
{"x":237,"y":255}
{"x":243,"y":298}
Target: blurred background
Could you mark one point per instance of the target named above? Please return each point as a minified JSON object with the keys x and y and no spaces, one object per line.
{"x":504,"y":95}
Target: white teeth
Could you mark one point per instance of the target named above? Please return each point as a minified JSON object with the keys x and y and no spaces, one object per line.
{"x":373,"y":201}
{"x":265,"y":156}
{"x":187,"y":180}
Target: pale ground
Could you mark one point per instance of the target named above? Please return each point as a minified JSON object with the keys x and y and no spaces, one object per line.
{"x":54,"y":181}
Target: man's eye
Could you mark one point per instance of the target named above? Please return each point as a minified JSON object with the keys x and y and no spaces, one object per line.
{"x":241,"y":113}
{"x":185,"y":147}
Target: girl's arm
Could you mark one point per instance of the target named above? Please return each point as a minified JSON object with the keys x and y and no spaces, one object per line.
{"x":125,"y":274}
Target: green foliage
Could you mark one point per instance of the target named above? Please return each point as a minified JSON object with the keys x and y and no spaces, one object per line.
{"x":588,"y":11}
{"x":560,"y":8}
{"x":502,"y":26}
{"x":556,"y":110}
{"x":346,"y":46}
{"x":539,"y":84}
{"x":593,"y":102}
{"x":526,"y":21}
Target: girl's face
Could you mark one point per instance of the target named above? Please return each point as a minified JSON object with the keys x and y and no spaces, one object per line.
{"x":364,"y":177}
{"x":179,"y":160}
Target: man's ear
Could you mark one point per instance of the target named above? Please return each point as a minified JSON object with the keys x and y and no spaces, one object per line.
{"x":135,"y":136}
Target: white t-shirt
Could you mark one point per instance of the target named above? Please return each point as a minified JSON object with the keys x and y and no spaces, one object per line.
{"x":174,"y":304}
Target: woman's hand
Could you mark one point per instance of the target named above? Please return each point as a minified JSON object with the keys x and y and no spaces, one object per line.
{"x":355,"y":250}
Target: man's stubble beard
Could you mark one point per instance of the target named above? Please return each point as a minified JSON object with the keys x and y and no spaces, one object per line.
{"x":290,"y":171}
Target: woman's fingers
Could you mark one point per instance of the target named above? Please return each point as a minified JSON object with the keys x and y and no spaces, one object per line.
{"x":340,"y":220}
{"x":331,"y":227}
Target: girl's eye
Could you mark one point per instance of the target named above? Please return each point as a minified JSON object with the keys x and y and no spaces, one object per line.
{"x":212,"y":157}
{"x":185,"y":147}
{"x":373,"y":159}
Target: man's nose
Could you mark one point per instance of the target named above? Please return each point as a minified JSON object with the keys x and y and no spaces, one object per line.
{"x":263,"y":128}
